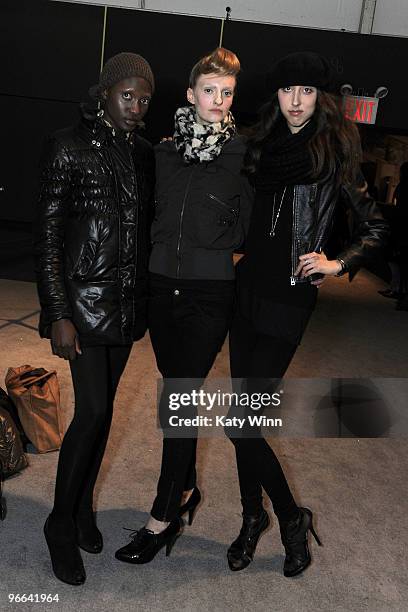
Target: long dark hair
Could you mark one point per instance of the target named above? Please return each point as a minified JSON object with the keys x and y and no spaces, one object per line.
{"x":335,"y":147}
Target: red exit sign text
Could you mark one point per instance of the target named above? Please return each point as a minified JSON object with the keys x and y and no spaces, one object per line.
{"x":360,"y":109}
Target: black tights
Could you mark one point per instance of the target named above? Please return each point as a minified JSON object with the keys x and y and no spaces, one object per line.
{"x":260,"y":359}
{"x":95,"y":375}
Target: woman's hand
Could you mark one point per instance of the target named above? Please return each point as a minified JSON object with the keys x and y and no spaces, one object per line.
{"x":312,"y":263}
{"x":65,"y":339}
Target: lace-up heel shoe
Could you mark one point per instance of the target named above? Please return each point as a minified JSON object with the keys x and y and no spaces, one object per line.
{"x":145,"y":544}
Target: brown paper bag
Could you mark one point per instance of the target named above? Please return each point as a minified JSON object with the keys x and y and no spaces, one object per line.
{"x":35,"y":392}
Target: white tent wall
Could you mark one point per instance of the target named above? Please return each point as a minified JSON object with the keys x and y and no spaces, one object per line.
{"x":332,"y":14}
{"x":390,"y":16}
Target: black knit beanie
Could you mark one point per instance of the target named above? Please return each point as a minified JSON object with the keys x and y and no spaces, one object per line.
{"x":119,"y":67}
{"x":302,"y":68}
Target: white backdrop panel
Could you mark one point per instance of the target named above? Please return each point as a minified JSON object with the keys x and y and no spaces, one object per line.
{"x":391,"y":18}
{"x":325,"y":14}
{"x":328,"y":14}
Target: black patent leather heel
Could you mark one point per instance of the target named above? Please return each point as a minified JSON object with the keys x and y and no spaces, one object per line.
{"x":242,"y":550}
{"x":191,"y":505}
{"x":145,"y":544}
{"x":170,"y":544}
{"x":316,"y":537}
{"x":294,"y":535}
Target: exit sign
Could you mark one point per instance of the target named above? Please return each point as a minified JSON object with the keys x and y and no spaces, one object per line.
{"x":360,"y":108}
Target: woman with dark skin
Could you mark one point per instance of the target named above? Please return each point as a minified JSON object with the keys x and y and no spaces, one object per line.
{"x":91,"y":251}
{"x":303,"y":161}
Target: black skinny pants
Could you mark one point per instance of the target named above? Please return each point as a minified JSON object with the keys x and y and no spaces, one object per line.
{"x":188,"y":323}
{"x":95,"y":376}
{"x":260,"y":360}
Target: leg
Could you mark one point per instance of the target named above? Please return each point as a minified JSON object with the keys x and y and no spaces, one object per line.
{"x":88,"y":535}
{"x":187,"y":331}
{"x":117,"y":357}
{"x":260,"y":358}
{"x":90,"y":380}
{"x":186,"y":341}
{"x":242,"y":343}
{"x":92,"y":408}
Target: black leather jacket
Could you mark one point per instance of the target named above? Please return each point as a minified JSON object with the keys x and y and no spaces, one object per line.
{"x":202,"y":213}
{"x":313,"y":211}
{"x":91,"y":239}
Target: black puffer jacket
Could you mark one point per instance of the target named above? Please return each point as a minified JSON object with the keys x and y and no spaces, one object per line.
{"x":202,"y":213}
{"x":91,"y":238}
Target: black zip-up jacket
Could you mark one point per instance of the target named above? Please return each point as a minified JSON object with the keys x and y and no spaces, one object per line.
{"x":92,"y":232}
{"x":202,"y":213}
{"x":313,"y":212}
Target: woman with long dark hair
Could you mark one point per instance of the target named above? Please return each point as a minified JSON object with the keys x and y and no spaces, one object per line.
{"x":303,"y":160}
{"x":202,"y":213}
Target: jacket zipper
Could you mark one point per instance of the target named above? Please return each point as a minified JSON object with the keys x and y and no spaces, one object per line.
{"x":139,"y":202}
{"x":118,"y":208}
{"x":231,"y":210}
{"x":313,"y":244}
{"x":294,"y":227}
{"x":181,"y":223}
{"x":294,"y":237}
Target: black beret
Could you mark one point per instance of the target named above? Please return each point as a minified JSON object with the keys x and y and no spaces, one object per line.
{"x":301,"y":68}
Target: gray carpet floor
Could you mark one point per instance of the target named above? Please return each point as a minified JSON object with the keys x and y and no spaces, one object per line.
{"x":357,"y":487}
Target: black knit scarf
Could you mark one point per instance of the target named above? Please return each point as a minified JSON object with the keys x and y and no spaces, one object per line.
{"x":285,"y":158}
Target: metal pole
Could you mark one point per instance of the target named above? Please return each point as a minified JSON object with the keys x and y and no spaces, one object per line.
{"x":367,"y":16}
{"x":103,"y":38}
{"x":222,"y":32}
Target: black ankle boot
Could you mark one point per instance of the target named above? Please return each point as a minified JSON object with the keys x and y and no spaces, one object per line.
{"x":65,"y":556}
{"x":242,"y":550}
{"x":191,"y":505}
{"x":145,"y":544}
{"x":294,"y":536}
{"x":89,"y":538}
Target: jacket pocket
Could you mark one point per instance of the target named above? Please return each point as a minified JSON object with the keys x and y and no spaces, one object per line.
{"x":227,"y":212}
{"x":217,"y":222}
{"x":85,"y":260}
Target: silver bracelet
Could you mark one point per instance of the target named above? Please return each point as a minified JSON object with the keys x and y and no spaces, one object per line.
{"x":343,"y":267}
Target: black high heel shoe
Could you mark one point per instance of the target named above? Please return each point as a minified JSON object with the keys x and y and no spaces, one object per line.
{"x":294,"y":536}
{"x":66,"y":559}
{"x":191,"y":505}
{"x":89,"y":538}
{"x":145,"y":544}
{"x":242,"y":550}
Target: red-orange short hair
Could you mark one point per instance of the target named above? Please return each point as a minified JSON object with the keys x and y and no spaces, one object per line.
{"x":221,"y":62}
